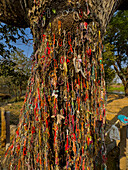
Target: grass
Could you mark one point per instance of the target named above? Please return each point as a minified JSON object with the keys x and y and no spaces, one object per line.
{"x":118,"y":88}
{"x":14,"y":108}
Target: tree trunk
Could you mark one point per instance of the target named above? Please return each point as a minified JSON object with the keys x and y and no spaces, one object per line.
{"x":126,"y":90}
{"x":18,"y":12}
{"x":124,"y":77}
{"x":62,"y":122}
{"x":20,"y":92}
{"x":126,"y":84}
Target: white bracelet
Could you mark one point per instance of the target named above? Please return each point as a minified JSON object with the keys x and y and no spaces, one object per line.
{"x":65,"y":13}
{"x":75,"y":13}
{"x":43,"y":22}
{"x":48,"y":13}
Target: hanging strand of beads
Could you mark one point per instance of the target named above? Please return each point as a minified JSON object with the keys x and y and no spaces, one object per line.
{"x":62,"y":121}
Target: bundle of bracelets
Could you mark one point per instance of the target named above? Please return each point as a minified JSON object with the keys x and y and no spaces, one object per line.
{"x":62,"y":120}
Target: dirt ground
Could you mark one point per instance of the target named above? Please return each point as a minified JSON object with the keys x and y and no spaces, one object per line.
{"x":117,"y":105}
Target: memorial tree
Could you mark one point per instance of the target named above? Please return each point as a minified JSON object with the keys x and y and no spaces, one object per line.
{"x":62,"y":120}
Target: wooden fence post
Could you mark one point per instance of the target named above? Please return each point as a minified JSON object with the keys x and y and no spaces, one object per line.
{"x":7,"y":117}
{"x":126,"y":146}
{"x":3,"y":128}
{"x":123,"y":148}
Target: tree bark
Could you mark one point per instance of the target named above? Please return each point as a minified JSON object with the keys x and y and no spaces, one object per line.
{"x":123,"y":76}
{"x":18,"y":12}
{"x":126,"y":85}
{"x":15,"y":12}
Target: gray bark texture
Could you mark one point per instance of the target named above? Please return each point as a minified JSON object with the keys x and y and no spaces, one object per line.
{"x":18,"y":12}
{"x":15,"y":12}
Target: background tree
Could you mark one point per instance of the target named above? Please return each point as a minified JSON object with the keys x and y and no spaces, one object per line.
{"x":109,"y":71}
{"x":9,"y":36}
{"x":116,"y":46}
{"x":15,"y":71}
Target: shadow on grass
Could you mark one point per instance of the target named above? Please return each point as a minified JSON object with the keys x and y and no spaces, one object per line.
{"x":10,"y":101}
{"x":14,"y":100}
{"x":116,"y":97}
{"x":14,"y":119}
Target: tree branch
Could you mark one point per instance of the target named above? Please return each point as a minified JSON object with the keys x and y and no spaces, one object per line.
{"x":14,"y":12}
{"x":119,"y":65}
{"x":118,"y":73}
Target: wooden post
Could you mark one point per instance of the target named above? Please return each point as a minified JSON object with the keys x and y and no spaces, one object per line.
{"x":7,"y":116}
{"x":123,"y":148}
{"x":3,"y":128}
{"x":127,"y":147}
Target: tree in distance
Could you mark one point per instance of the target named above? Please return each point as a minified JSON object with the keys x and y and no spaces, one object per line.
{"x":15,"y":71}
{"x":116,"y":48}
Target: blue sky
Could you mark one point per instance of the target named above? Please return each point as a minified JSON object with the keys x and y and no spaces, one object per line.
{"x":28,"y":48}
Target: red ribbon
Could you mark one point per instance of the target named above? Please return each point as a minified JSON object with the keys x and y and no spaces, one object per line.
{"x":39,"y":94}
{"x":86,"y":24}
{"x":81,"y":13}
{"x":24,"y":151}
{"x":17,"y":132}
{"x":66,"y":146}
{"x":33,"y":130}
{"x":89,"y":51}
{"x":44,"y":37}
{"x":62,"y":60}
{"x":60,"y":42}
{"x":67,"y":87}
{"x":46,"y":123}
{"x":68,"y":61}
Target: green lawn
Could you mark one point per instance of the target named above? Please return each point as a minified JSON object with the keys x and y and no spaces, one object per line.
{"x":116,"y":88}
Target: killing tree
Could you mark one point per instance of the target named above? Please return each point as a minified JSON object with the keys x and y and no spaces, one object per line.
{"x":62,"y":121}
